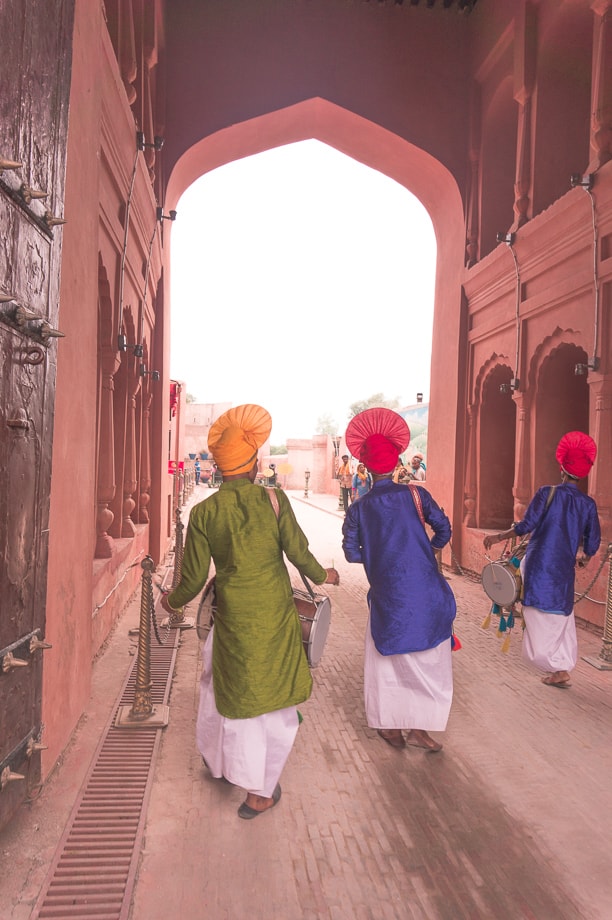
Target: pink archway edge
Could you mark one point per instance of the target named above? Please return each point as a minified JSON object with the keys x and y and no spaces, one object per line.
{"x":484,"y":372}
{"x":419,"y":172}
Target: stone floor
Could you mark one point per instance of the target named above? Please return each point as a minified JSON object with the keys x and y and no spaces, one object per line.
{"x":511,"y":820}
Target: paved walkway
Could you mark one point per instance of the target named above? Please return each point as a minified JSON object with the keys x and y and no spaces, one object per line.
{"x":511,"y":820}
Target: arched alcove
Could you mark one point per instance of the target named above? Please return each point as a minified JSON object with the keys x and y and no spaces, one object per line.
{"x":497,"y":445}
{"x":561,"y":404}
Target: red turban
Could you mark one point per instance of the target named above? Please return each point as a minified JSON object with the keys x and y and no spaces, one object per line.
{"x":576,"y":454}
{"x":377,"y":437}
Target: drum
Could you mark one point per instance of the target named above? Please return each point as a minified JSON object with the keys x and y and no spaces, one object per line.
{"x":315,"y":617}
{"x":502,"y":581}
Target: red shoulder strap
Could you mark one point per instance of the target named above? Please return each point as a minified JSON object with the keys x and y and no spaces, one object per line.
{"x":416,"y":497}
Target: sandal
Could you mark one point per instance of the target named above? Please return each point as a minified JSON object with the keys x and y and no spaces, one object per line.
{"x":245,"y":811}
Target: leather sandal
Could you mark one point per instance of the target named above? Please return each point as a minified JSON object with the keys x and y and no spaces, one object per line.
{"x":245,"y":811}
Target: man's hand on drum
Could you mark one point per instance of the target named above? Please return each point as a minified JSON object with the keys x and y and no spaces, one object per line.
{"x":333,"y":578}
{"x":497,"y":537}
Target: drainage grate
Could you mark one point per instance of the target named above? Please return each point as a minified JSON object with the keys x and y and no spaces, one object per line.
{"x":93,"y":872}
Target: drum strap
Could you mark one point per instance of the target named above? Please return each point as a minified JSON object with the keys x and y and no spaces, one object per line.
{"x":418,"y":504}
{"x":274,"y":502}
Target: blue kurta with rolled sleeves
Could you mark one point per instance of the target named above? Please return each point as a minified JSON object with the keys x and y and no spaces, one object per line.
{"x":557,"y":533}
{"x":412,"y":607}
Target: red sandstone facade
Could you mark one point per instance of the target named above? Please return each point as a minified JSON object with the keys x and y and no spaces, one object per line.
{"x":483,"y":115}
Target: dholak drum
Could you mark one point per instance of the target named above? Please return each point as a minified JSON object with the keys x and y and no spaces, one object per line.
{"x":315,"y":617}
{"x":502,"y":582}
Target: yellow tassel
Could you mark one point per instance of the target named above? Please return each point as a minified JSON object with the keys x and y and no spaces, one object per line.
{"x":486,"y":622}
{"x":499,"y":634}
{"x":506,"y":643}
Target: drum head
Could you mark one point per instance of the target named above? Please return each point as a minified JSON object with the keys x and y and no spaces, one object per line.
{"x":501,"y":582}
{"x":319,"y":631}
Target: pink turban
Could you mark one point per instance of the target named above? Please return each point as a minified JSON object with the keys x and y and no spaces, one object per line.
{"x":377,"y":437}
{"x":576,"y":454}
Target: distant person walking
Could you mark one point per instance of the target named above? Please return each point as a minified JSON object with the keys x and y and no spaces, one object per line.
{"x":345,"y":475}
{"x":362,"y":482}
{"x":417,"y":473}
{"x":198,"y":471}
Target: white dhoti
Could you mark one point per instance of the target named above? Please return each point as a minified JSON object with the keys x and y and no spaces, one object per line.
{"x":250,"y":753}
{"x":414,"y":690}
{"x":549,"y":640}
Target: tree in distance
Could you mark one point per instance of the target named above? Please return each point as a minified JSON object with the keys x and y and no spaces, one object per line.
{"x":326,"y":425}
{"x":375,"y":401}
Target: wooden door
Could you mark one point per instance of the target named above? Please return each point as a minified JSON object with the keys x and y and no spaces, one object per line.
{"x":36,"y":48}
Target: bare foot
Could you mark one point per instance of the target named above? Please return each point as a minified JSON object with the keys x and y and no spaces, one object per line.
{"x":392,"y":736}
{"x":417,"y":737}
{"x":259,"y":802}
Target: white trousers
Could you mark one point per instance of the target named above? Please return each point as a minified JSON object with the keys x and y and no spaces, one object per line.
{"x":408,"y":691}
{"x":250,"y":753}
{"x":549,"y":640}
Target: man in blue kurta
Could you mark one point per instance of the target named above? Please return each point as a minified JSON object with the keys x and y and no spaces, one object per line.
{"x":255,"y":669}
{"x":408,"y":684}
{"x":565,"y":531}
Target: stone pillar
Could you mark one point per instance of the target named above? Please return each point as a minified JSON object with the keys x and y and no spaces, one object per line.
{"x":470,"y":471}
{"x":601,"y":83}
{"x":522,"y":460}
{"x":524,"y":70}
{"x":145,"y":458}
{"x":472,"y":228}
{"x":600,"y":479}
{"x":126,"y":51}
{"x":129,"y":470}
{"x":105,"y":489}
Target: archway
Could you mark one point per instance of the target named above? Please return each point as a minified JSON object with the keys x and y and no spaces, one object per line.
{"x":408,"y":165}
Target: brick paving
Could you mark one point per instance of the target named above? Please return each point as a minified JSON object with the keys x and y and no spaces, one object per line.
{"x":511,"y":820}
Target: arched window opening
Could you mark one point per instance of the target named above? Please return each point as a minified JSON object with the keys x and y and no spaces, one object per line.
{"x":562,"y":404}
{"x":497,"y":444}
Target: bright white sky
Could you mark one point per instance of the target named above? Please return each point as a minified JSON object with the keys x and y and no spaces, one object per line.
{"x":302,"y":281}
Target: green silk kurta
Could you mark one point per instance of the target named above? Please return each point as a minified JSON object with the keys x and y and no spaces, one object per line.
{"x":259,"y":663}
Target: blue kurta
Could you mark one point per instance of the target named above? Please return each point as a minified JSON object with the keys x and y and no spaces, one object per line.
{"x":412,"y":607}
{"x":557,"y":534}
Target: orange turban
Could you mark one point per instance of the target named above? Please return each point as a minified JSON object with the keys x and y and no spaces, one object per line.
{"x":237,"y":435}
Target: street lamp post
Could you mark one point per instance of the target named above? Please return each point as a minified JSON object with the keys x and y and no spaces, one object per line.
{"x":306,"y":481}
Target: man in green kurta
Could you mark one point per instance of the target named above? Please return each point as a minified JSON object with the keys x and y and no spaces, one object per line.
{"x":255,"y":670}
